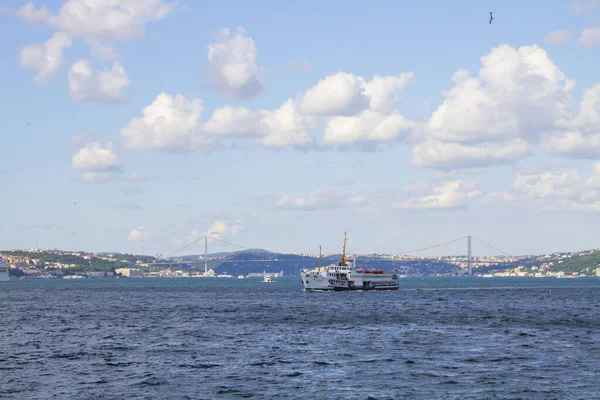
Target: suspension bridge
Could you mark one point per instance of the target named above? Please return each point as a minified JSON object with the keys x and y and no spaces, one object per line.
{"x":220,"y":259}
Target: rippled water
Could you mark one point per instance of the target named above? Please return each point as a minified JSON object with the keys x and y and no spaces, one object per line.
{"x":446,"y":338}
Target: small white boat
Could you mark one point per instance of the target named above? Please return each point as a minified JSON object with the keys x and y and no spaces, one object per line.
{"x":267,"y":279}
{"x":240,"y":276}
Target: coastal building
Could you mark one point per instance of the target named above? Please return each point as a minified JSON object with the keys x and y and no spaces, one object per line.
{"x":129,"y":272}
{"x":598,"y":270}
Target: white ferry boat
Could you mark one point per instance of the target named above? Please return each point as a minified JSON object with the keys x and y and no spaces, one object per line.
{"x":4,"y":275}
{"x":344,"y":276}
{"x":267,"y":278}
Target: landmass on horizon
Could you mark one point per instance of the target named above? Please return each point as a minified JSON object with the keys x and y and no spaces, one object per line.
{"x":59,"y":263}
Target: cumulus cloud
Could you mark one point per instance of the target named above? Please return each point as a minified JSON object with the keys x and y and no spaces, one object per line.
{"x":233,"y":70}
{"x":338,"y":94}
{"x":345,"y":94}
{"x":558,"y":36}
{"x":104,"y":86}
{"x":169,"y":123}
{"x":174,"y":123}
{"x":368,"y":126}
{"x":518,"y":96}
{"x":558,"y":188}
{"x":220,"y":229}
{"x":101,"y":19}
{"x":548,"y":183}
{"x":95,"y":157}
{"x":518,"y":93}
{"x":445,"y":195}
{"x":96,"y":163}
{"x":450,"y":156}
{"x":138,"y":233}
{"x":581,"y":135}
{"x":284,"y":127}
{"x":47,"y":58}
{"x":320,"y":199}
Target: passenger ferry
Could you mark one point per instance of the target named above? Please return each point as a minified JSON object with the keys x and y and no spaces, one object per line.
{"x":345,"y":276}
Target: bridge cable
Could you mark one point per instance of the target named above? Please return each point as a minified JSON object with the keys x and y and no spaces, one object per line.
{"x":186,"y":246}
{"x":490,"y":246}
{"x":433,"y":247}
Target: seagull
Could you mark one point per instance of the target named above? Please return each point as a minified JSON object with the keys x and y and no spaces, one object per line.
{"x":491,"y":18}
{"x":27,"y":125}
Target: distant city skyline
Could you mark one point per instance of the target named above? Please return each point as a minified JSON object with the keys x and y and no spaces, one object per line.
{"x":141,"y":129}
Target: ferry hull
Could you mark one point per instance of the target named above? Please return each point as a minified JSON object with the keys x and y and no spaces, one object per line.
{"x":319,"y":283}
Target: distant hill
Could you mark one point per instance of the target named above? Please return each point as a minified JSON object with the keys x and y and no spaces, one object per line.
{"x":220,"y":255}
{"x":256,"y":261}
{"x":583,"y":262}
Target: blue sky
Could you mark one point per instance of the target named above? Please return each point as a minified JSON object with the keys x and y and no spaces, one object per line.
{"x":467,"y":128}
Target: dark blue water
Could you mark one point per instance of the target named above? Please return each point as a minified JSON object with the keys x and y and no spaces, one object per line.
{"x":436,"y":338}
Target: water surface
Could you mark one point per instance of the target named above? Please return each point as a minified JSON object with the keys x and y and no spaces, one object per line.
{"x":446,"y":338}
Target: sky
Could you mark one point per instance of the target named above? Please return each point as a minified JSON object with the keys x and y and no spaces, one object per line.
{"x":142,"y":126}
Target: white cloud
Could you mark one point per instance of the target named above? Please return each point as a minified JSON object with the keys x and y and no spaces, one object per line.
{"x":558,"y":36}
{"x":46,"y":58}
{"x":369,"y":126}
{"x":96,"y":163}
{"x":558,"y":189}
{"x":104,"y":86}
{"x":446,"y":195}
{"x":169,"y":123}
{"x":95,"y":157}
{"x":345,"y":94}
{"x":320,"y":199}
{"x":285,"y":127}
{"x":518,"y":93}
{"x":280,"y":128}
{"x":234,"y":122}
{"x":581,"y":139}
{"x":573,"y":144}
{"x":451,"y":156}
{"x":102,"y":19}
{"x":338,"y":94}
{"x":518,"y":96}
{"x":382,"y":90}
{"x":547,"y":184}
{"x":233,"y":69}
{"x":589,"y":37}
{"x":138,"y":233}
{"x":218,"y":229}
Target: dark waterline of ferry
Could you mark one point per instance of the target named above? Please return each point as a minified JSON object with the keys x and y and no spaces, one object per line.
{"x":435,"y":338}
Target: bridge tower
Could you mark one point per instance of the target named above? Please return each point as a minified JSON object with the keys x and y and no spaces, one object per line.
{"x":205,"y":255}
{"x":469,"y":257}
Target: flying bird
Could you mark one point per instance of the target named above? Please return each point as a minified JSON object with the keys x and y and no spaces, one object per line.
{"x":491,"y":18}
{"x":27,"y":125}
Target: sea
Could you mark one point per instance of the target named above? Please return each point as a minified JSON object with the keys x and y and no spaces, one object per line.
{"x":223,"y":338}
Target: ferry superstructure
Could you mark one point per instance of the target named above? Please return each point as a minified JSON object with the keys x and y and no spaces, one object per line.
{"x":345,"y":276}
